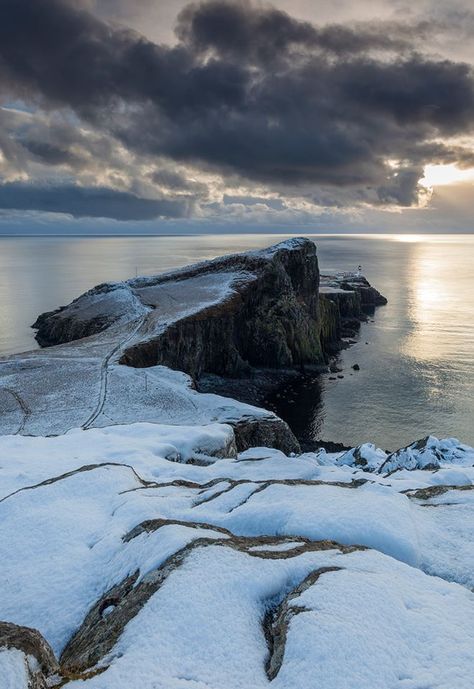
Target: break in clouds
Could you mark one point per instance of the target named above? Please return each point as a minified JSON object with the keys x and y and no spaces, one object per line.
{"x":248,"y":107}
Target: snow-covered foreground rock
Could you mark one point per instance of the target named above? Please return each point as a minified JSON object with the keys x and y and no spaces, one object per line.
{"x":157,"y":557}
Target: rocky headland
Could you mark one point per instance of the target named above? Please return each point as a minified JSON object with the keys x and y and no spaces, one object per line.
{"x":144,"y":349}
{"x":262,"y":309}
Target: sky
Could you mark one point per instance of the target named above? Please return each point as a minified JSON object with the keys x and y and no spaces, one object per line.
{"x":158,"y":116}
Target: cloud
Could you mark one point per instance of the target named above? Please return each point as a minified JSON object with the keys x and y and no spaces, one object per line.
{"x":346,"y":113}
{"x":251,"y":33}
{"x":82,"y":202}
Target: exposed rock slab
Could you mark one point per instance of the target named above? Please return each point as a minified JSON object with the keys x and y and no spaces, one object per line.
{"x":26,"y":658}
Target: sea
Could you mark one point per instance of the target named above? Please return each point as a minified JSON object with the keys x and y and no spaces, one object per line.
{"x":416,"y":355}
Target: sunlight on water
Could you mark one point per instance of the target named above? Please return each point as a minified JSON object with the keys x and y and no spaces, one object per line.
{"x":440,"y":308}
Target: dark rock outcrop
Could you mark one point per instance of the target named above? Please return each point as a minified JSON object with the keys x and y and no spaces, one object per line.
{"x":344,"y":303}
{"x":90,"y":314}
{"x":32,"y":644}
{"x":272,"y":316}
{"x":270,"y":320}
{"x":265,"y":433}
{"x":369,"y":296}
{"x":53,"y":329}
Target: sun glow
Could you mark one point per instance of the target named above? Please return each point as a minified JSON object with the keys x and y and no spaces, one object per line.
{"x":440,"y":175}
{"x":431,"y":292}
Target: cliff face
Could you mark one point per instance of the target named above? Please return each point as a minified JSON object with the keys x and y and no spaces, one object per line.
{"x":271,"y":318}
{"x":344,"y":303}
{"x":341,"y":316}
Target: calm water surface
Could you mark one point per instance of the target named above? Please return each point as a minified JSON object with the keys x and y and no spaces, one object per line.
{"x":416,"y":358}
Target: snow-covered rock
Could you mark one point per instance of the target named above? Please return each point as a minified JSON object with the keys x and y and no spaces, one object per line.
{"x":255,"y":570}
{"x":366,"y":456}
{"x":428,"y":453}
{"x":26,"y":659}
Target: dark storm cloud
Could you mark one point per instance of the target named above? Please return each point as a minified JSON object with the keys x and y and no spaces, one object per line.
{"x":51,"y":154}
{"x":94,"y":202}
{"x":247,"y":91}
{"x":239,"y":29}
{"x":400,"y":189}
{"x":68,"y":57}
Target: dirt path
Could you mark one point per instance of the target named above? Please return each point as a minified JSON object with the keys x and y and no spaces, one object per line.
{"x":104,"y":371}
{"x":24,"y":409}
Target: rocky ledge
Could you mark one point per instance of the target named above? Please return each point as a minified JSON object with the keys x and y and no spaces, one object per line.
{"x":345,"y":300}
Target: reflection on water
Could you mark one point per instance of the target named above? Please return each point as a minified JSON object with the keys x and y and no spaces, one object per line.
{"x":440,"y":307}
{"x":416,"y":372}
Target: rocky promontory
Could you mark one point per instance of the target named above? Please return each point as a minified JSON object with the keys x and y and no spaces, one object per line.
{"x":134,"y":350}
{"x":271,"y":313}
